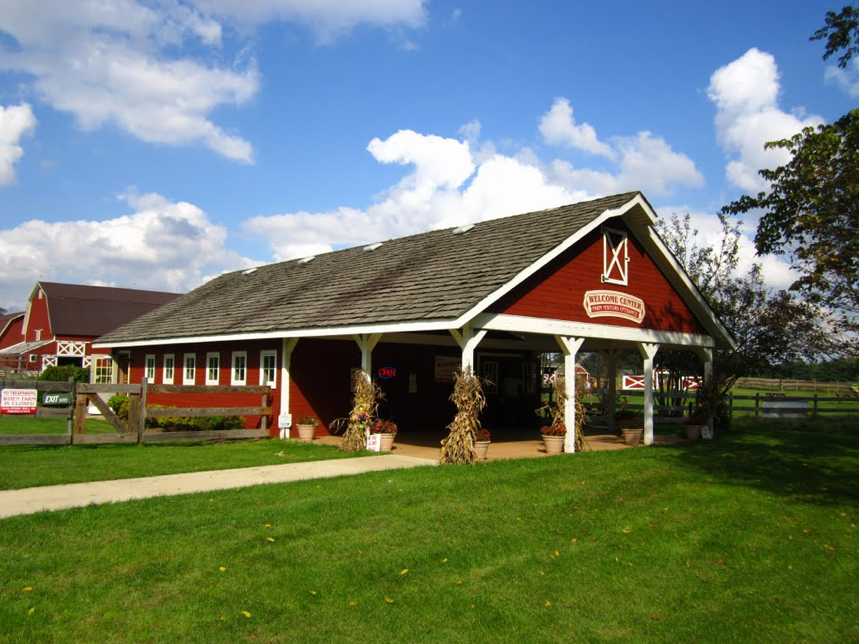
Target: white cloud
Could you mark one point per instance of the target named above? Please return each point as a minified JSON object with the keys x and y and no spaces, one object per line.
{"x":448,"y":186}
{"x":142,"y":65}
{"x":160,"y":245}
{"x":15,"y":122}
{"x":558,"y":127}
{"x":746,"y":94}
{"x":642,"y":162}
{"x":846,"y":79}
{"x":326,"y":18}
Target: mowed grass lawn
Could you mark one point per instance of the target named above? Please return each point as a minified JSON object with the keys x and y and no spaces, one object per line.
{"x":748,"y":538}
{"x":33,"y":465}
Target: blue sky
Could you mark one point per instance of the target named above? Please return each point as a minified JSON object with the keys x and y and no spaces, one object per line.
{"x":155,"y":144}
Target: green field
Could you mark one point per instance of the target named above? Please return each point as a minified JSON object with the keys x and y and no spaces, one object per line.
{"x":748,"y":538}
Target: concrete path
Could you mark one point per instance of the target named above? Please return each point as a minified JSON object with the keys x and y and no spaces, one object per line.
{"x":59,"y":497}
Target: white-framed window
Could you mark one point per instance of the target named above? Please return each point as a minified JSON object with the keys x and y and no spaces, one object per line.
{"x":38,"y":334}
{"x":240,"y":368}
{"x":213,"y":368}
{"x":103,"y":373}
{"x":189,"y":372}
{"x":169,"y":367}
{"x":615,"y":257}
{"x":268,"y":368}
{"x":149,"y":370}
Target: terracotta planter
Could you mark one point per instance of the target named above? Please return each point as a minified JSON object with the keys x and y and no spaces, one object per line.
{"x":306,"y":432}
{"x":386,"y":442}
{"x":481,"y":447}
{"x":632,"y":436}
{"x":554,"y":444}
{"x":693,"y":432}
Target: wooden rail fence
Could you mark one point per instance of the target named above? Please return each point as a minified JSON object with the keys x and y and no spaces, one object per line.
{"x":133,"y":429}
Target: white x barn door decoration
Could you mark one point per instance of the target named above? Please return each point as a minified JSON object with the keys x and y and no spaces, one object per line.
{"x":615,"y":257}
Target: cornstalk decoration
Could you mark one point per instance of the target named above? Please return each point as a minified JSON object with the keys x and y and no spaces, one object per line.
{"x":365,"y":402}
{"x":458,"y":446}
{"x":556,"y":409}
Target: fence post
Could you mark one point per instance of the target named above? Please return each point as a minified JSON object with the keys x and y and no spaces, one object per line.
{"x":814,"y":413}
{"x":81,"y":401}
{"x":70,"y":420}
{"x":730,"y":404}
{"x":141,"y":421}
{"x":264,"y":418}
{"x":757,"y":402}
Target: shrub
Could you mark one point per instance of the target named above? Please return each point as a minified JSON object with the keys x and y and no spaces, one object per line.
{"x":118,"y":403}
{"x":64,"y":373}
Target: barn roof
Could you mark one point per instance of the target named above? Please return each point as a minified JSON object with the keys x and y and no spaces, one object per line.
{"x":79,"y":310}
{"x":433,"y":279}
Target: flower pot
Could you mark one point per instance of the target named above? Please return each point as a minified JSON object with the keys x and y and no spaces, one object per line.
{"x":306,"y":432}
{"x":481,"y":447}
{"x":693,"y":432}
{"x":632,"y":436}
{"x":553,"y":444}
{"x":386,"y":442}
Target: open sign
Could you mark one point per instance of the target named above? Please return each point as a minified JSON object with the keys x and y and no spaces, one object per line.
{"x":385,"y":373}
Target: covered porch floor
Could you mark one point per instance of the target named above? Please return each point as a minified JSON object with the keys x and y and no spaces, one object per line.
{"x":427,"y":444}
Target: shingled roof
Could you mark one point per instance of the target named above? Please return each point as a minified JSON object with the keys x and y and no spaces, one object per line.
{"x":430,"y":277}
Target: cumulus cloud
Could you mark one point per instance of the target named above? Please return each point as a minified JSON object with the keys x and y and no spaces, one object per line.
{"x":641,"y":162}
{"x":846,"y":79}
{"x":746,"y":95}
{"x":159,"y":245}
{"x":141,"y":65}
{"x":558,"y":127}
{"x":15,"y":122}
{"x":448,"y":185}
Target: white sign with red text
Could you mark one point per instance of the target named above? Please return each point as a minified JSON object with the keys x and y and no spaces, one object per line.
{"x":18,"y":401}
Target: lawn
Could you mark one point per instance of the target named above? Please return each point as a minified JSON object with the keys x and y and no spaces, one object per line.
{"x":31,"y":425}
{"x":747,"y":538}
{"x":31,"y":465}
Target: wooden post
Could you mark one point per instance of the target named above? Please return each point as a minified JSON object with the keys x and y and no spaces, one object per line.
{"x":263,"y":419}
{"x":80,"y":413}
{"x":141,"y":418}
{"x":757,"y":403}
{"x":814,"y":413}
{"x":70,"y":420}
{"x":730,"y":404}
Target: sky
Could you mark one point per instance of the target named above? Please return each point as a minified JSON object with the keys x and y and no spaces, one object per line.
{"x":154,"y":144}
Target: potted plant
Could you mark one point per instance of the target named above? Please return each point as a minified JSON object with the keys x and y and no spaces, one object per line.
{"x":553,"y":437}
{"x":481,"y":443}
{"x":306,"y":427}
{"x":630,"y":426}
{"x":693,"y":424}
{"x":387,"y":430}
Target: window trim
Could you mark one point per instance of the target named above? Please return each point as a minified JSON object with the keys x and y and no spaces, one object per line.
{"x":149,"y":368}
{"x":193,"y":361}
{"x":234,"y":381}
{"x":217,"y":379}
{"x":262,"y":356}
{"x":165,"y":378}
{"x":615,"y":256}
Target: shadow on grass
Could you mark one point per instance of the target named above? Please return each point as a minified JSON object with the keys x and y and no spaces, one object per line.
{"x":812,"y":460}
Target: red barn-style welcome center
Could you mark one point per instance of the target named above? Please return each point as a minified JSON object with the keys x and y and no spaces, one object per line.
{"x":592,"y":276}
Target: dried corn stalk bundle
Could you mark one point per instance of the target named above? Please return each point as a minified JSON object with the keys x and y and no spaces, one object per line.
{"x":556,"y":408}
{"x":458,"y":446}
{"x":364,"y":404}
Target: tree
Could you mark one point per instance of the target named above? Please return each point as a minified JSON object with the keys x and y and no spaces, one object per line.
{"x":769,"y":327}
{"x":811,"y":211}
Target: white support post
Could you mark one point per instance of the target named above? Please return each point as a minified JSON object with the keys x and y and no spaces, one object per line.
{"x":648,"y":351}
{"x":367,"y":342}
{"x":611,"y":368}
{"x":570,"y":347}
{"x":285,"y":379}
{"x":467,"y":340}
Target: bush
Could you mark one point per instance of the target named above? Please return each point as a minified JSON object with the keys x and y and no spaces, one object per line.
{"x":118,"y":403}
{"x":64,"y":373}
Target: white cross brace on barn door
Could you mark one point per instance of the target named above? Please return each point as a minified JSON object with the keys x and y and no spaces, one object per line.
{"x":615,"y":256}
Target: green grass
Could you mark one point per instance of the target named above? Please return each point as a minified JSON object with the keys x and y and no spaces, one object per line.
{"x":748,"y":538}
{"x":31,"y":465}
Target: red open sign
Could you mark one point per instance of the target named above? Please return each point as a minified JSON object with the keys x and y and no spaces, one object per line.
{"x":386,"y":372}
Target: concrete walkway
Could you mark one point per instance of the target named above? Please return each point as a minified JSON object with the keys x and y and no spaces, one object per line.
{"x":60,"y":497}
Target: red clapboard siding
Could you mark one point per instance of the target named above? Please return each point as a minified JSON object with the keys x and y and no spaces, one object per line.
{"x":38,"y":318}
{"x":557,"y":292}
